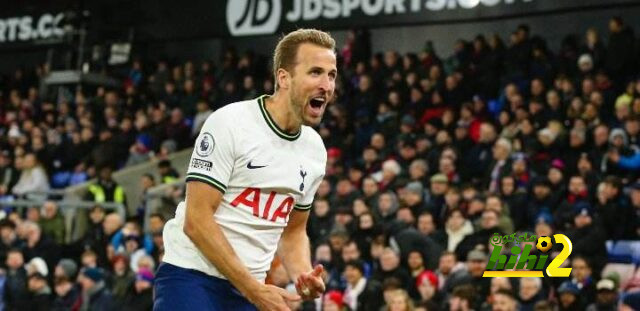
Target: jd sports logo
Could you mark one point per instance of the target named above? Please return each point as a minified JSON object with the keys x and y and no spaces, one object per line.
{"x":253,"y":17}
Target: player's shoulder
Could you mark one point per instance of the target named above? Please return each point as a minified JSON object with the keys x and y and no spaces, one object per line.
{"x":313,"y":140}
{"x":233,"y":112}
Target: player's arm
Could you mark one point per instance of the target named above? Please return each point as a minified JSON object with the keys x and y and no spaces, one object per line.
{"x":294,"y":250}
{"x":202,"y":201}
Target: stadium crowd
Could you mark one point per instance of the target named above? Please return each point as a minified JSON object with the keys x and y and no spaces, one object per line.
{"x":428,"y":157}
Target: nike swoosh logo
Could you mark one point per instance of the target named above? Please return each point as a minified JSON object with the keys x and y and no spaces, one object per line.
{"x":251,"y":167}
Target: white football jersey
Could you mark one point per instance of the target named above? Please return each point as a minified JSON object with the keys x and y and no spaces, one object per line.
{"x":264,"y":174}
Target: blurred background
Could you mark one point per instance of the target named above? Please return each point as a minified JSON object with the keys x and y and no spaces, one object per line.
{"x":454,"y":120}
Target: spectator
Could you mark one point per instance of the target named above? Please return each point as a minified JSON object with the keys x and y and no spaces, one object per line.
{"x":333,"y":301}
{"x":569,"y":297}
{"x":361,"y":293}
{"x":65,"y":291}
{"x":95,"y":295}
{"x":106,"y":189}
{"x":427,"y":287}
{"x":390,"y":268}
{"x":530,"y":293}
{"x":41,"y":297}
{"x":400,"y":301}
{"x":167,"y":173}
{"x":52,"y":222}
{"x":33,"y":177}
{"x":142,"y":296}
{"x":457,"y":229}
{"x":504,"y":301}
{"x":462,"y":298}
{"x":16,"y":295}
{"x":8,"y":174}
{"x":122,"y":279}
{"x":39,"y":245}
{"x":607,"y":296}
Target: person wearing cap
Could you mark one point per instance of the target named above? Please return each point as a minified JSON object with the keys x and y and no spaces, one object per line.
{"x":607,"y":296}
{"x":41,"y":297}
{"x":414,"y":198}
{"x":64,"y":276}
{"x":141,"y":298}
{"x":439,"y":185}
{"x":333,"y":301}
{"x":569,"y":299}
{"x":587,"y":236}
{"x":476,"y":263}
{"x":427,"y":286}
{"x":95,"y":295}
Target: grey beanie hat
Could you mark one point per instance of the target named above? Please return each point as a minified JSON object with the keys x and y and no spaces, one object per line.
{"x":69,"y":266}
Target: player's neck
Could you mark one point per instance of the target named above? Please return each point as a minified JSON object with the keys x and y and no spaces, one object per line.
{"x":278,"y":108}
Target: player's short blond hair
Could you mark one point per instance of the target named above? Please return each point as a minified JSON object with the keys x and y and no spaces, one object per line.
{"x":287,"y":48}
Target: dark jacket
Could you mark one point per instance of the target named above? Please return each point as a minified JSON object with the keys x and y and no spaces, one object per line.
{"x":371,"y":297}
{"x":16,"y":296}
{"x":139,"y":301}
{"x":66,"y":302}
{"x":41,"y":301}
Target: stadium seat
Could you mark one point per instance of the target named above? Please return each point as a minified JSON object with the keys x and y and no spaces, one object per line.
{"x":624,"y":252}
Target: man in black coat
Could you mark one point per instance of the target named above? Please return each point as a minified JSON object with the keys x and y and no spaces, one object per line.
{"x":620,"y":49}
{"x":588,"y":238}
{"x":16,"y":295}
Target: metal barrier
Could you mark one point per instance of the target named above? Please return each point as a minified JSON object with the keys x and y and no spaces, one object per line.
{"x":68,"y":208}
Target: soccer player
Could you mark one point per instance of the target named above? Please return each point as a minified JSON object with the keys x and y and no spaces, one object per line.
{"x":254,"y":171}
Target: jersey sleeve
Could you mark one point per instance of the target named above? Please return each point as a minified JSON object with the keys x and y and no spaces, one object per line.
{"x":213,"y":154}
{"x":307,"y":200}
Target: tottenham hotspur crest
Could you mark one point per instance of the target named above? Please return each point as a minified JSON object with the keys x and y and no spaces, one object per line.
{"x":205,"y":146}
{"x":302,"y":174}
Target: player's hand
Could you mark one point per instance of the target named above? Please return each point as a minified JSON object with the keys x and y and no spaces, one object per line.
{"x":310,"y":285}
{"x":270,"y":297}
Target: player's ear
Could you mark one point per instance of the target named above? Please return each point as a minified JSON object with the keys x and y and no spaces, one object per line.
{"x":284,"y":78}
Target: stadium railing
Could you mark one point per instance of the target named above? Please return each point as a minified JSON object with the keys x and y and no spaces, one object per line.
{"x":69,"y":210}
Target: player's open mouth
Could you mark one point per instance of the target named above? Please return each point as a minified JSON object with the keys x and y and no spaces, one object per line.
{"x":317,"y":102}
{"x":317,"y":105}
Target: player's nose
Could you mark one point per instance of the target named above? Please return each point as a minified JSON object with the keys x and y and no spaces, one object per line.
{"x":325,"y":83}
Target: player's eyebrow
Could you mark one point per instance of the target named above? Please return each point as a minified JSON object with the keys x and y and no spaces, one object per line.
{"x":316,"y":68}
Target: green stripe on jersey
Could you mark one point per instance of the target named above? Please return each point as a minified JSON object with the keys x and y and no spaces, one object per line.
{"x":303,"y":207}
{"x":207,"y":179}
{"x":272,"y":124}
